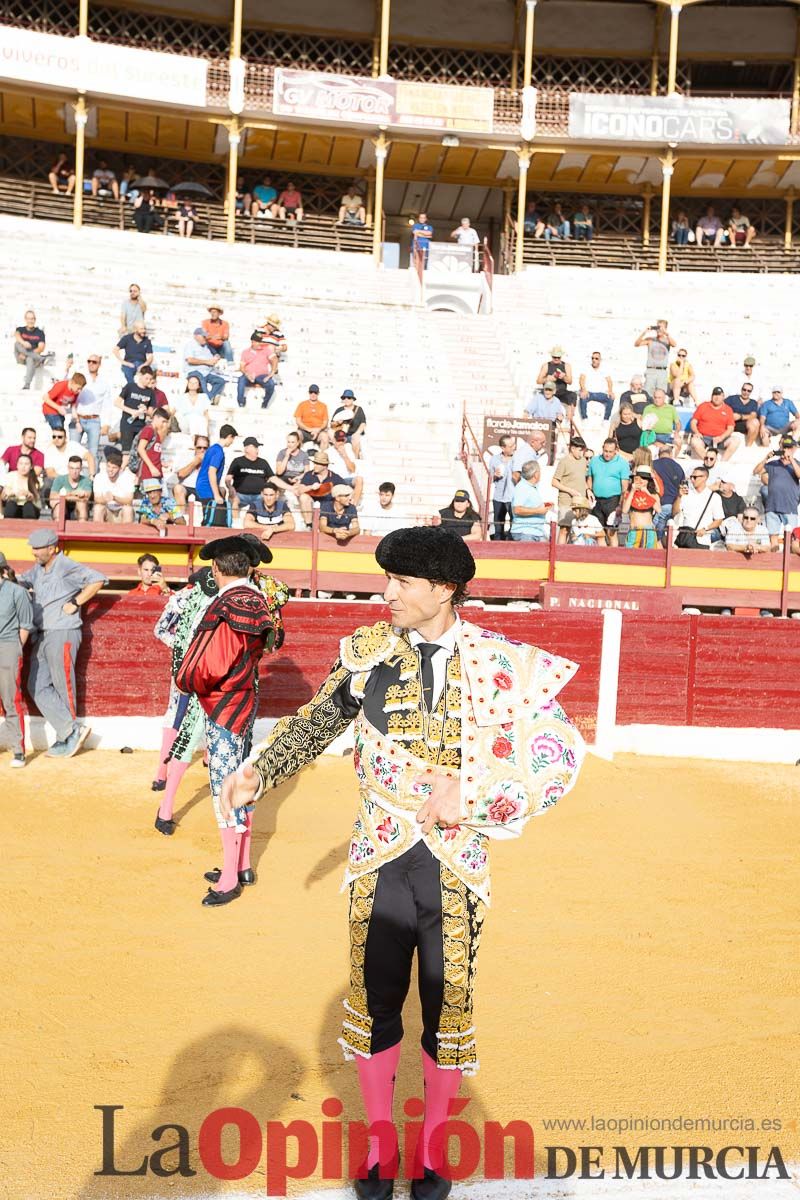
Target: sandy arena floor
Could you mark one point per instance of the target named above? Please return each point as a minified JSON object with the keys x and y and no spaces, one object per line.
{"x":639,"y":961}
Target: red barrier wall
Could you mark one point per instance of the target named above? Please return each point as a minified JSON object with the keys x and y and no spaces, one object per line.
{"x":687,"y":670}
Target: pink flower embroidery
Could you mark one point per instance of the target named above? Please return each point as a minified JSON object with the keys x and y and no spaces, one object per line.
{"x":503,"y":681}
{"x":502,"y":747}
{"x":503,"y":809}
{"x":547,"y":748}
{"x":451,"y":832}
{"x":387,"y":830}
{"x":553,"y":793}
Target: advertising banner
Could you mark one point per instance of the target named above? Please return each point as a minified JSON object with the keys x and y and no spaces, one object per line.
{"x":522,"y":428}
{"x":721,"y":121}
{"x":99,"y":68}
{"x":350,"y":98}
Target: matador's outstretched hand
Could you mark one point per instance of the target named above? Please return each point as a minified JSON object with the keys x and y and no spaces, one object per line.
{"x":238,"y":789}
{"x":443,"y":806}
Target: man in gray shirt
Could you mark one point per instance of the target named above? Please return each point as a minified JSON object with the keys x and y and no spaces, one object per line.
{"x":59,"y":588}
{"x":16,"y":623}
{"x":505,"y":469}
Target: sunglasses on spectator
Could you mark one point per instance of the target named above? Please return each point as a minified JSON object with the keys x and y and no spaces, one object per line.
{"x":93,"y":360}
{"x":777,"y":391}
{"x":748,"y":388}
{"x":681,"y":356}
{"x":700,"y":475}
{"x":749,"y":518}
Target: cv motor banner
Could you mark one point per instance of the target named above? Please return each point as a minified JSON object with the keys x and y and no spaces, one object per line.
{"x":353,"y":98}
{"x":717,"y":121}
{"x":101,"y":68}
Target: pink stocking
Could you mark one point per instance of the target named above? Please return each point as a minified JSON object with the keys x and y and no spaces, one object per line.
{"x":168,"y":736}
{"x":441,"y":1087}
{"x":230,"y":860}
{"x":376,"y":1076}
{"x":244,"y":848}
{"x":175,"y":773}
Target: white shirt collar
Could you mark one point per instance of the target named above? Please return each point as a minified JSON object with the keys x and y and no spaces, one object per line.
{"x":447,"y":641}
{"x":243,"y":582}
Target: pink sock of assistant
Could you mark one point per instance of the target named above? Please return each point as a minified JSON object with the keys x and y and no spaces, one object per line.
{"x":376,"y":1076}
{"x":230,"y":860}
{"x":441,"y":1087}
{"x":244,"y":847}
{"x":175,"y":773}
{"x":167,"y":738}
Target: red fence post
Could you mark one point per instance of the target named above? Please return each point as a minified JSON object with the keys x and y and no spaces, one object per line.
{"x":787,"y":558}
{"x":551,"y":557}
{"x":312,"y":589}
{"x":691,"y":670}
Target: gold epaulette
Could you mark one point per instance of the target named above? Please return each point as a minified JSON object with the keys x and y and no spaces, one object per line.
{"x":367,"y":646}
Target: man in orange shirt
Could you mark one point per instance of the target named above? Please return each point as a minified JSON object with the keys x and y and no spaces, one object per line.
{"x":312,"y":417}
{"x":57,"y":403}
{"x":218,"y":333}
{"x":712,"y":425}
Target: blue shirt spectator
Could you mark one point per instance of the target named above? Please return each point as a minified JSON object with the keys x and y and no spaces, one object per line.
{"x":608,"y":472}
{"x":777,"y":413}
{"x":528,"y":526}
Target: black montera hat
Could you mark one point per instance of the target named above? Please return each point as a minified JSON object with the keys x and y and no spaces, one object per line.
{"x":244,"y":543}
{"x":426,"y":552}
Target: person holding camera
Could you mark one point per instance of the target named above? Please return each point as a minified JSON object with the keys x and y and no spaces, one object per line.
{"x":16,"y":626}
{"x":659,"y":343}
{"x":780,"y":475}
{"x":698,"y":511}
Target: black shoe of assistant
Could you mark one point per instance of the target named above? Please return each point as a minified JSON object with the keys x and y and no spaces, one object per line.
{"x":373,"y":1188}
{"x":431,"y":1187}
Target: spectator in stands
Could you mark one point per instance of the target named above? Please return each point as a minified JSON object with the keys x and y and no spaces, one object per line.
{"x":149,"y":444}
{"x":733,"y":505}
{"x":697,"y":509}
{"x":662,"y":420}
{"x":104,"y":181}
{"x":316,"y":484}
{"x":421,"y":237}
{"x":20,"y":491}
{"x":680,"y":228}
{"x":534,"y":448}
{"x":557,"y":369}
{"x":778,"y":415}
{"x":133,"y":402}
{"x":671,"y":476}
{"x":30,"y":349}
{"x":113,"y":491}
{"x":208,"y":487}
{"x":146,"y":217}
{"x":750,"y":376}
{"x":533,"y":221}
{"x":595,"y":384}
{"x":290,"y":203}
{"x":56,"y":459}
{"x":186,"y":468}
{"x":62,"y":175}
{"x":338,"y":516}
{"x":218,"y":333}
{"x":711,"y":460}
{"x":264,"y":197}
{"x":780,"y":474}
{"x":199,"y":360}
{"x":350,"y":418}
{"x":344,"y":464}
{"x":570,"y":478}
{"x":659,"y":342}
{"x":192,"y":407}
{"x":134,"y":351}
{"x":257,"y":366}
{"x":609,"y":476}
{"x":636,"y":395}
{"x":132,"y":311}
{"x":626,"y":430}
{"x":390,"y":514}
{"x":460,"y":516}
{"x":739,"y":232}
{"x":129,"y":177}
{"x":746,"y":535}
{"x":578,"y":526}
{"x":642,"y":504}
{"x":682,"y":379}
{"x":712,"y":425}
{"x":546,"y":406}
{"x":528,"y":511}
{"x":93,"y":405}
{"x":27,"y":445}
{"x":504,"y":469}
{"x":292,"y":462}
{"x":582,"y":224}
{"x":709,"y":229}
{"x":465,"y":235}
{"x":351,"y":208}
{"x":151,"y":577}
{"x":311,"y":416}
{"x":274,"y":339}
{"x":557,"y":225}
{"x":73,"y":491}
{"x":156,"y":509}
{"x":745,"y":409}
{"x":248,"y":474}
{"x":186,"y":218}
{"x":244,"y":199}
{"x":57,"y":403}
{"x":267,"y":514}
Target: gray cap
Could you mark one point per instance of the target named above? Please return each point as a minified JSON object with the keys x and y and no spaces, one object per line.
{"x":41,"y":538}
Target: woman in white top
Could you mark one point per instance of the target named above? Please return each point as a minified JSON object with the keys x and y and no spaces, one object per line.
{"x":191,"y":410}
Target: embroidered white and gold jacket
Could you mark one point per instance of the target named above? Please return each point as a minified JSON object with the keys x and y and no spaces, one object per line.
{"x":497,"y":725}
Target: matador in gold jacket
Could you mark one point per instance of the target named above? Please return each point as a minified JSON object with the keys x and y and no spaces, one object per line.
{"x":459,"y":738}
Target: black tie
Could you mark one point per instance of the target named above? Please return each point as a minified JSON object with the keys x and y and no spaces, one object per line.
{"x":426,"y":653}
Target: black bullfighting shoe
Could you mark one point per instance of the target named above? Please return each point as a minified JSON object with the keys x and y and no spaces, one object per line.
{"x":431,"y":1186}
{"x":373,"y":1188}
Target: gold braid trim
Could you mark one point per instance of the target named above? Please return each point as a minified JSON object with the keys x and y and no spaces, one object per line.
{"x":357,"y":1024}
{"x":462,"y":919}
{"x":367,"y":646}
{"x":299,"y":739}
